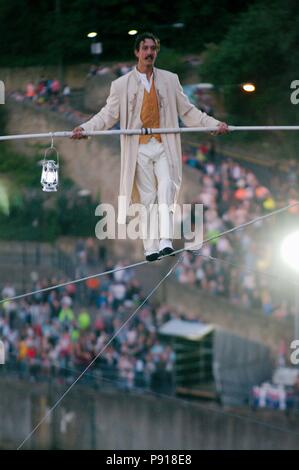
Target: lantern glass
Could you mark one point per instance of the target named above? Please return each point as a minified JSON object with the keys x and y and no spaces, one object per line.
{"x":49,"y":178}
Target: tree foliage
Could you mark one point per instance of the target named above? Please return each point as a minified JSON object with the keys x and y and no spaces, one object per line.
{"x":46,"y":31}
{"x":261,"y":47}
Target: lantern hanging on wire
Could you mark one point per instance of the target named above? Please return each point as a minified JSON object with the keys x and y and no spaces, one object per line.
{"x":49,"y":179}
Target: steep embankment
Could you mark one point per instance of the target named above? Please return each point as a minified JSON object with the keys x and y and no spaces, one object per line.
{"x":93,"y":164}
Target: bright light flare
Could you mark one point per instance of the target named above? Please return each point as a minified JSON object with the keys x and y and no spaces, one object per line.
{"x":248,"y":87}
{"x":290,"y":250}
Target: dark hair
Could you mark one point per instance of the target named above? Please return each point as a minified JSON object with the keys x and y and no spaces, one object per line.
{"x":142,"y":37}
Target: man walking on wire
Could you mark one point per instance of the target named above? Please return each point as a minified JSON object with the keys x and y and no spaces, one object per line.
{"x":151,"y":165}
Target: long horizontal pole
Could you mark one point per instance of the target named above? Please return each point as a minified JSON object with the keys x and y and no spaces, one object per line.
{"x":175,"y":130}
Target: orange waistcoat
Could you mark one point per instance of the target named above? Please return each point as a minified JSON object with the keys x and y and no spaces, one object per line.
{"x":150,"y":114}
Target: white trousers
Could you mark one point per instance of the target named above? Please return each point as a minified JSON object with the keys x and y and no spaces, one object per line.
{"x":155,"y":191}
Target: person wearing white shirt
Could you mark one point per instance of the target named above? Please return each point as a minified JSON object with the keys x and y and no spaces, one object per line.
{"x":148,"y":97}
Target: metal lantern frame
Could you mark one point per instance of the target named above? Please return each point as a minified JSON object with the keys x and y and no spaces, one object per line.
{"x":50,"y":176}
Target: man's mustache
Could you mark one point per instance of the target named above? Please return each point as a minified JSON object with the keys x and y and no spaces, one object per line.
{"x":149,"y":57}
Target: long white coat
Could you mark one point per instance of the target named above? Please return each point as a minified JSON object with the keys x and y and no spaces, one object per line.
{"x":124,"y":104}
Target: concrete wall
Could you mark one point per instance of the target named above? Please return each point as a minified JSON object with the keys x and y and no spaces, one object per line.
{"x":86,"y":419}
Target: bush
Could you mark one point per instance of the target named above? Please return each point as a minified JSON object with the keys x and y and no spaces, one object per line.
{"x":35,"y":215}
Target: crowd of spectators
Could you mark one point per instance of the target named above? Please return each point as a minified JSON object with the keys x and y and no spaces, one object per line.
{"x":58,"y":102}
{"x":51,"y":94}
{"x":231,"y":195}
{"x":275,"y":397}
{"x":57,"y":333}
{"x":118,"y":69}
{"x":47,"y":90}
